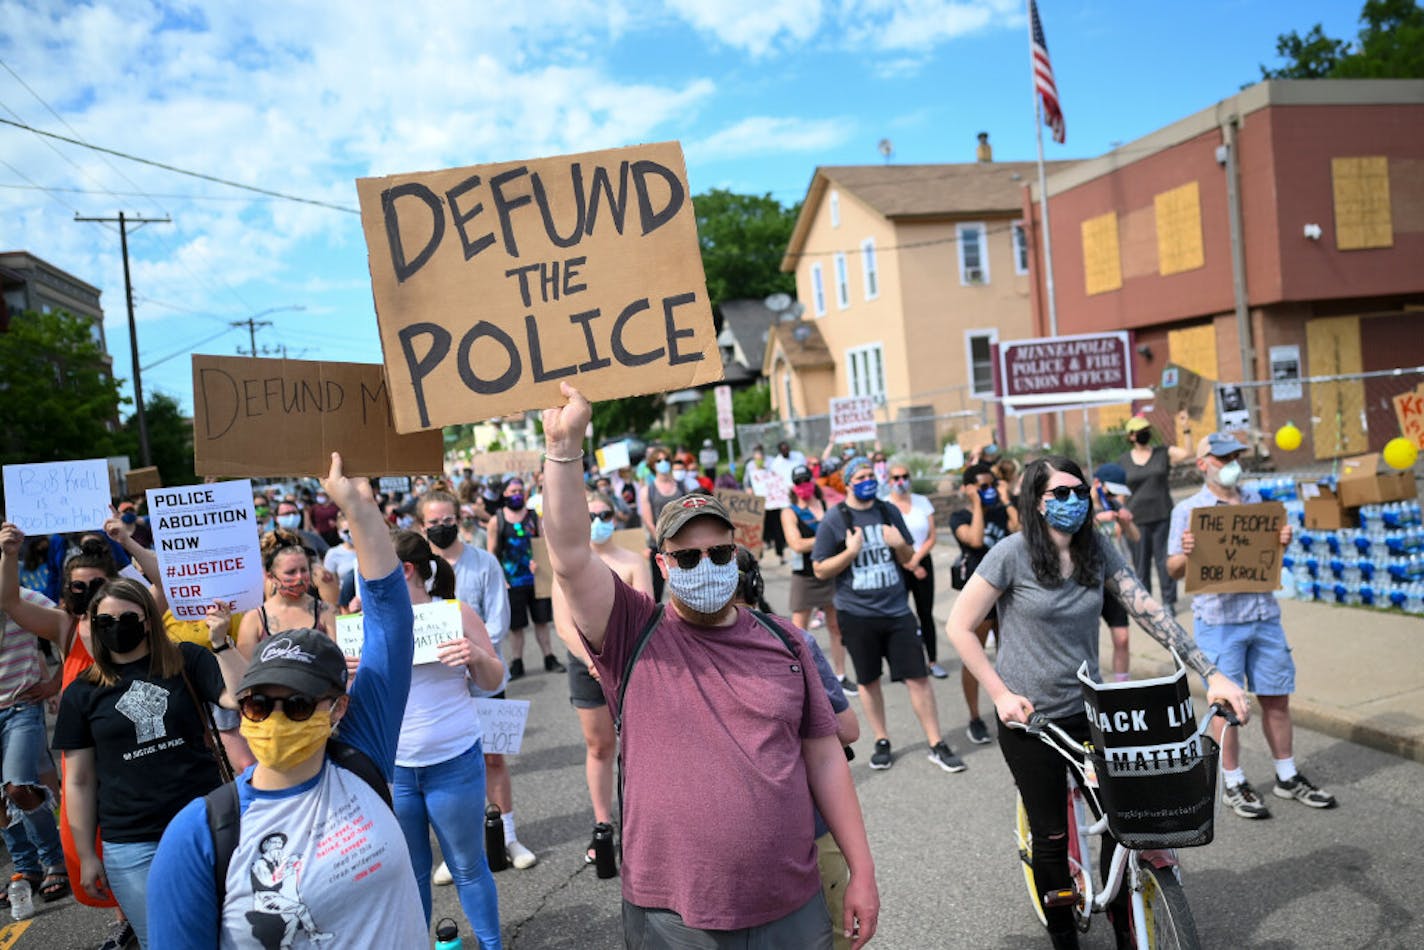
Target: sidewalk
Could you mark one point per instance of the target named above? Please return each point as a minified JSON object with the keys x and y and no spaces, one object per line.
{"x":1359,"y":674}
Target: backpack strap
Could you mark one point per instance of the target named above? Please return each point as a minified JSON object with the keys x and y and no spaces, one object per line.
{"x":776,"y":629}
{"x":638,"y":646}
{"x":225,"y":815}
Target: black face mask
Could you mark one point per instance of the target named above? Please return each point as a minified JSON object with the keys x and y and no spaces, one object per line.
{"x":442,"y":535}
{"x":1143,"y":437}
{"x":122,"y":635}
{"x":77,"y":602}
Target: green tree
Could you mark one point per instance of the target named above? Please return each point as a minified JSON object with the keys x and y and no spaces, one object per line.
{"x":60,"y":399}
{"x":170,"y":439}
{"x":1390,"y":45}
{"x":743,"y":239}
{"x":631,"y":415}
{"x":700,"y":421}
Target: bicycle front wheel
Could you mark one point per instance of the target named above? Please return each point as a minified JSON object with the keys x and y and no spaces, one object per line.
{"x":1025,"y":843}
{"x":1168,"y":919}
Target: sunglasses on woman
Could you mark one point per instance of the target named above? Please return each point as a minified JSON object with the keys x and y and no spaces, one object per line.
{"x":87,"y":587}
{"x":1062,"y":492}
{"x":109,"y":621}
{"x":899,"y":478}
{"x":688,"y":558}
{"x":258,"y":706}
{"x":600,"y":516}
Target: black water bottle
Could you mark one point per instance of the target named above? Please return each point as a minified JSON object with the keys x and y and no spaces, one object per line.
{"x":494,"y":840}
{"x":603,"y":862}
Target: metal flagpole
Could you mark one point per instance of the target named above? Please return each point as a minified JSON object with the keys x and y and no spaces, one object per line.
{"x":1043,"y":205}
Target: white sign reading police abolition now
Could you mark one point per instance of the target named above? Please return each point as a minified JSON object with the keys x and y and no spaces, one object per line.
{"x":206,"y":539}
{"x":436,"y":622}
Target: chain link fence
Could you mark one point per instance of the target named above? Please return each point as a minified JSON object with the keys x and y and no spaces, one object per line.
{"x":921,"y":433}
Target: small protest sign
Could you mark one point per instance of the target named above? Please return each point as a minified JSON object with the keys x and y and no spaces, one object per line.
{"x":748,"y":513}
{"x":44,"y":498}
{"x":543,"y":571}
{"x":494,"y":283}
{"x":503,"y":721}
{"x":391,"y":484}
{"x":770,"y":486}
{"x":975,"y":438}
{"x":254,"y":417}
{"x":436,"y":622}
{"x":1409,"y":407}
{"x":614,"y":456}
{"x":507,"y":463}
{"x":139,"y":480}
{"x":207,"y":542}
{"x":853,"y":419}
{"x":726,"y":421}
{"x":1237,"y":549}
{"x":1184,"y":390}
{"x":1231,"y":408}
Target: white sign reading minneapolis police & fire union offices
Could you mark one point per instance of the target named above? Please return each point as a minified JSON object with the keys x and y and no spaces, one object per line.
{"x":206,"y":540}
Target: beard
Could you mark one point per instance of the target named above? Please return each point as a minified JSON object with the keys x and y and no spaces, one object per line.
{"x":700,"y":618}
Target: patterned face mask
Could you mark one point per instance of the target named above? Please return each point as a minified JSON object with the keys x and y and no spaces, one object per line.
{"x":707,"y":588}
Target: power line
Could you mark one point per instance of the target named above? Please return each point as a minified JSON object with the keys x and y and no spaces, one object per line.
{"x":131,"y":194}
{"x":187,"y":349}
{"x":179,"y":171}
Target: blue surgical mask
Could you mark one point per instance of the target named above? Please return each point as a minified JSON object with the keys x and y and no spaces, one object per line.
{"x":1067,"y":516}
{"x":989,"y":496}
{"x":601,"y":531}
{"x":128,"y":517}
{"x":663,"y":467}
{"x":290,"y":522}
{"x":866,"y":490}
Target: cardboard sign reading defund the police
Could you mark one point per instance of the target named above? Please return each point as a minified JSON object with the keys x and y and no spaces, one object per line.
{"x":436,"y":622}
{"x":748,"y":513}
{"x":1143,"y":727}
{"x":285,"y":417}
{"x":494,"y":283}
{"x":1238,"y":549}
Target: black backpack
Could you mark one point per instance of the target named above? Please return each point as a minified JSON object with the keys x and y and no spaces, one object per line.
{"x":225,"y":817}
{"x":764,"y":620}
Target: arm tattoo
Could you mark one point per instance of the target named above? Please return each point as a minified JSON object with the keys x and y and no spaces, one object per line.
{"x":1160,"y":625}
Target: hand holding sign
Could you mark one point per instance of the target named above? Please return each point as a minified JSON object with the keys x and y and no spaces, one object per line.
{"x":564,"y":425}
{"x":1235,"y":548}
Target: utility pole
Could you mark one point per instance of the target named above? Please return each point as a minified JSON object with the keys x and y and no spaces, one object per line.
{"x":252,"y":326}
{"x":124,"y":221}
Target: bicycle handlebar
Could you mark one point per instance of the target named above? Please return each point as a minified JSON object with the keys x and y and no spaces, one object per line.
{"x":1038,"y":722}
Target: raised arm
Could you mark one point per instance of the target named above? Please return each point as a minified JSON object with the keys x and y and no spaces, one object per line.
{"x":586,"y":581}
{"x":370,"y":535}
{"x":1163,"y":627}
{"x":48,"y":622}
{"x":142,"y":557}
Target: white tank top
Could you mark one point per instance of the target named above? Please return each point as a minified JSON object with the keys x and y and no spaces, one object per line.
{"x":440,"y":721}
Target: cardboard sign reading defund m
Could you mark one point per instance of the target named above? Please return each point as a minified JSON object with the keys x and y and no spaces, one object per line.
{"x":494,"y":283}
{"x":1238,"y":549}
{"x":748,"y":513}
{"x":286,"y":417}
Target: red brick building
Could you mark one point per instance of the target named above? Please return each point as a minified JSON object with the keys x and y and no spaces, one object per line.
{"x":1330,"y":192}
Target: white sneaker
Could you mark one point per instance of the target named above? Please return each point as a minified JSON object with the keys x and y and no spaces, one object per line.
{"x":520,"y":856}
{"x":442,"y":875}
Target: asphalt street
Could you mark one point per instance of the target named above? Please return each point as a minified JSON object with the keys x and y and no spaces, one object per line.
{"x":944,"y":849}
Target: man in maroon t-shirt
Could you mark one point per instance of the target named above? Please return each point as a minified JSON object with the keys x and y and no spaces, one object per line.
{"x":718,"y":844}
{"x":323,"y":519}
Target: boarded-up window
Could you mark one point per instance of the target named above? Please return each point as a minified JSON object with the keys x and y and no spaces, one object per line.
{"x":1337,"y":408}
{"x":1102,"y":260}
{"x":1362,"y":216}
{"x":1179,"y":229}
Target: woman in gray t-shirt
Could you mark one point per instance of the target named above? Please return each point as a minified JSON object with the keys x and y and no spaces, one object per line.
{"x":1047,"y":583}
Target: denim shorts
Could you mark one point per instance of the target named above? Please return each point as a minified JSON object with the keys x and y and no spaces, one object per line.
{"x":22,"y":743}
{"x":1254,"y":654}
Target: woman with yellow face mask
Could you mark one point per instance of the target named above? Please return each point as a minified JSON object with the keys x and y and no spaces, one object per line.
{"x":317,"y":851}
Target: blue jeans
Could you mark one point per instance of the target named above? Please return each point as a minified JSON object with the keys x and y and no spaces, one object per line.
{"x":32,"y":836}
{"x":126,"y":865}
{"x":450,"y":796}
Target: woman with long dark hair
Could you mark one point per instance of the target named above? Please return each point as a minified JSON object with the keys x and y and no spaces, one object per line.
{"x":1047,"y":583}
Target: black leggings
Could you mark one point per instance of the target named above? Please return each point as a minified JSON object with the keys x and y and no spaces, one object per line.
{"x":922,"y":595}
{"x":1039,"y":773}
{"x":771,"y":533}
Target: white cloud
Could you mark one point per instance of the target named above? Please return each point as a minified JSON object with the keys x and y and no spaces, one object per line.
{"x":756,"y":26}
{"x":766,"y":135}
{"x":920,"y":25}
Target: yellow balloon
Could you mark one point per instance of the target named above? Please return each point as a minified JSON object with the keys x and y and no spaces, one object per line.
{"x":1288,"y":437}
{"x":1400,"y":453}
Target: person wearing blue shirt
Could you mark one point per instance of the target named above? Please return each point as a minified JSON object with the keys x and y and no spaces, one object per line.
{"x":320,"y":852}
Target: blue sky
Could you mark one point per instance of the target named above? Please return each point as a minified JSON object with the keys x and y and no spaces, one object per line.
{"x":304,"y":97}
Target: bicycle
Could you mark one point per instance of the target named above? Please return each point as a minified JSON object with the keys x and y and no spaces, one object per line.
{"x":1160,"y":915}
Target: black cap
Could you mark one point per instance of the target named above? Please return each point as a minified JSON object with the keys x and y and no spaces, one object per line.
{"x":307,"y":661}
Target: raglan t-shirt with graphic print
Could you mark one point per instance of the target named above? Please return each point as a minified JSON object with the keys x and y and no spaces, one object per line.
{"x":147,"y":737}
{"x":872,"y":586}
{"x":323,"y":863}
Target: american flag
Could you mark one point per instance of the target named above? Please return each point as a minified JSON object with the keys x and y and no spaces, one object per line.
{"x":1043,"y":83}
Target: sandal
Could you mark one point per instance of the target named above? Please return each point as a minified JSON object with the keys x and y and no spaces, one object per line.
{"x":55,"y":886}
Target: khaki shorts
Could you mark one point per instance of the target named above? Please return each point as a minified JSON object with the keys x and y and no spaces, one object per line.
{"x":835,"y":874}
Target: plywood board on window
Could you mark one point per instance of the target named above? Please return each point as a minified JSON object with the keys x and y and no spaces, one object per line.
{"x":1337,"y":409}
{"x":1406,"y":194}
{"x":1195,"y":349}
{"x":1362,"y":212}
{"x":1179,"y":229}
{"x":1139,"y":243}
{"x":1102,"y":259}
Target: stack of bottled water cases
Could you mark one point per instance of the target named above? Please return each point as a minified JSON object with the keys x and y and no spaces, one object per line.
{"x":1379,"y":565}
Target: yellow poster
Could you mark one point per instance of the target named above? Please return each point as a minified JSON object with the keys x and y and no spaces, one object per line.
{"x":1179,"y":229}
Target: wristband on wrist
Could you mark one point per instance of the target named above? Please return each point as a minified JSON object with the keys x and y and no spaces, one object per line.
{"x":570,"y":459}
{"x":225,"y":645}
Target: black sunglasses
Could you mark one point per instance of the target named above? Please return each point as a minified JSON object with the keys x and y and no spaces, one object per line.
{"x":1063,"y":491}
{"x":600,"y":516}
{"x":899,"y":478}
{"x":688,"y":558}
{"x":85,"y":587}
{"x":258,"y":706}
{"x":109,"y":621}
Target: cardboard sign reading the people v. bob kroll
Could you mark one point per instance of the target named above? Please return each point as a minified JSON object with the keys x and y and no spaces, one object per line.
{"x":1237,"y":549}
{"x":285,"y":417}
{"x":495,"y":283}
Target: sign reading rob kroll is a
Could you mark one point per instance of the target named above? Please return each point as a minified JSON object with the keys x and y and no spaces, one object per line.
{"x":494,"y":283}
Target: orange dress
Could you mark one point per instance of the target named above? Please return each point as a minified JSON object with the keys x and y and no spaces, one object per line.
{"x":76,"y":661}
